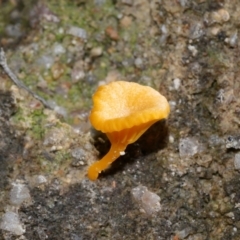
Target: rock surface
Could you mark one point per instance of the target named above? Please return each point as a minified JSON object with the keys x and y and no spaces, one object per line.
{"x":189,"y":51}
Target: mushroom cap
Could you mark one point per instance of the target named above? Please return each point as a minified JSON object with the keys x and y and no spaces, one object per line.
{"x":122,"y":105}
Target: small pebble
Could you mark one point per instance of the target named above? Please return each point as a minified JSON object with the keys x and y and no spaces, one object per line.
{"x":188,"y":147}
{"x":57,"y":70}
{"x":220,"y":16}
{"x":77,"y":32}
{"x":58,"y":49}
{"x":112,"y":33}
{"x":193,"y":50}
{"x":149,"y":201}
{"x":237,"y":161}
{"x":233,"y":39}
{"x":96,"y":52}
{"x":10,"y":222}
{"x":19,"y":193}
{"x":196,"y":31}
{"x":126,"y":21}
{"x":138,"y":63}
{"x":40,"y":179}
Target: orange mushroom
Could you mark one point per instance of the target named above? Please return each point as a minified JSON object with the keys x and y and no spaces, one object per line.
{"x":124,"y":111}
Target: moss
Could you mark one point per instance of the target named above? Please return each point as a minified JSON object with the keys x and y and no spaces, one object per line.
{"x":18,"y":116}
{"x":37,"y":118}
{"x":87,"y":16}
{"x":94,"y":19}
{"x":59,"y":162}
{"x":31,"y":120}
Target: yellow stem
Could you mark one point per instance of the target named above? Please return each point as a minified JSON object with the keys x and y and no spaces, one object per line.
{"x":111,"y":156}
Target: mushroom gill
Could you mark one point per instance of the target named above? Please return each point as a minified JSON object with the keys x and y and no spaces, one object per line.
{"x":124,"y":111}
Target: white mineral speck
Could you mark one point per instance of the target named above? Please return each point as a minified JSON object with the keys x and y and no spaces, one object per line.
{"x":193,"y":50}
{"x":233,"y":39}
{"x":171,"y":139}
{"x":164,"y":29}
{"x":237,"y":161}
{"x":164,"y":35}
{"x":172,"y":104}
{"x":122,"y":153}
{"x":19,"y":193}
{"x":77,"y":74}
{"x":176,"y":83}
{"x":10,"y":222}
{"x":149,"y":201}
{"x":138,"y":62}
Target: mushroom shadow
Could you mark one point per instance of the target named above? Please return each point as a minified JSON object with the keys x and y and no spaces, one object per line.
{"x":153,"y":140}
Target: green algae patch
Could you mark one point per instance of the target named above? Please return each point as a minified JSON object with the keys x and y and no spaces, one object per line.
{"x":31,"y":120}
{"x":54,"y":163}
{"x":38,"y":119}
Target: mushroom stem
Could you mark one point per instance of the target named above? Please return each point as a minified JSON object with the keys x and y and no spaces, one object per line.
{"x":111,"y":156}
